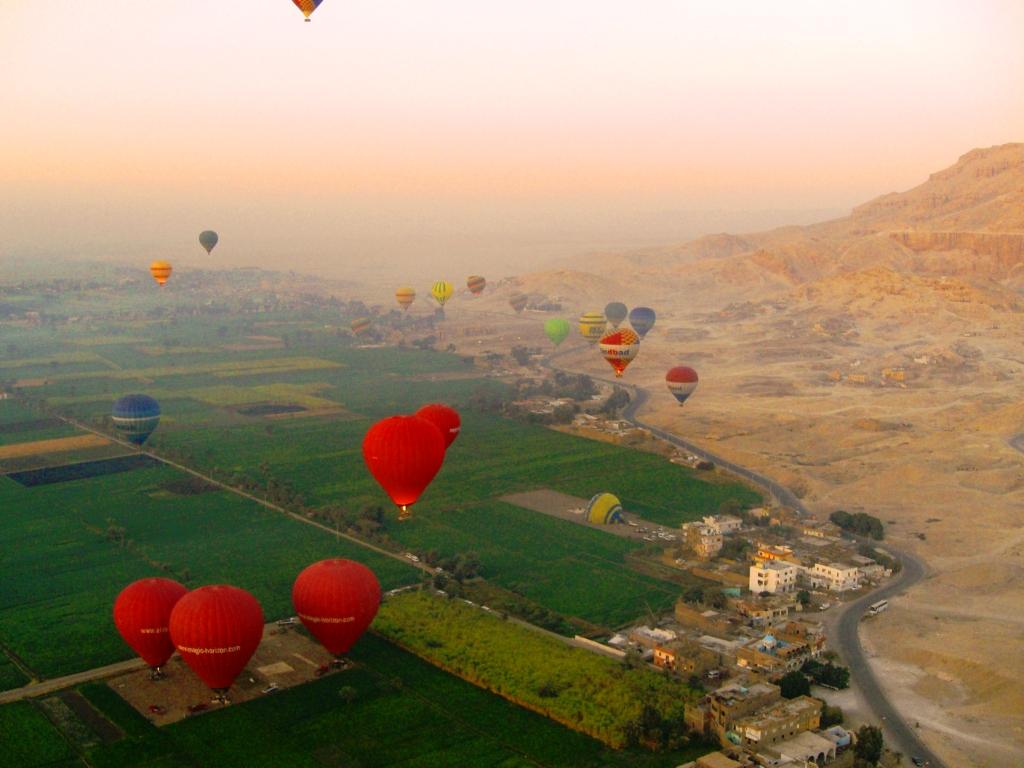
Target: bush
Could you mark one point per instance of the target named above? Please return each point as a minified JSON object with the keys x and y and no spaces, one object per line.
{"x":860,"y":523}
{"x":794,"y":684}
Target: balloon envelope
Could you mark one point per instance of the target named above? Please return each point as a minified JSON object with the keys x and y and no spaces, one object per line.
{"x":604,"y":509}
{"x":405,"y":296}
{"x":136,"y":416}
{"x":615,"y":312}
{"x":681,"y":381}
{"x":642,"y":319}
{"x":620,"y":348}
{"x":336,"y":600}
{"x":361,"y":325}
{"x":307,"y":6}
{"x":208,"y":239}
{"x":160,"y":270}
{"x":403,"y":453}
{"x":216,"y":629}
{"x":445,"y":418}
{"x":476,"y":284}
{"x":557,"y":329}
{"x":442,"y":290}
{"x":592,"y":326}
{"x":142,"y":614}
{"x":518,"y":301}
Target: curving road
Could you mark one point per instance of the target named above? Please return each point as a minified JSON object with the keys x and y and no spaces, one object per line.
{"x":844,"y":638}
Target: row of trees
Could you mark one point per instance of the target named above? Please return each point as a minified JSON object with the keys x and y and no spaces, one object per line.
{"x":585,"y":691}
{"x":860,"y":523}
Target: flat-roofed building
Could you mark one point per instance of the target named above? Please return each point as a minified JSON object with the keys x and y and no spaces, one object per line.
{"x":724,"y":524}
{"x":836,"y":577}
{"x":783,"y":720}
{"x":773,"y":576}
{"x":716,"y":713}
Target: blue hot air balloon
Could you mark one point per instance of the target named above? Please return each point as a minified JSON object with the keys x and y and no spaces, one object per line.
{"x":642,"y":320}
{"x":136,"y":416}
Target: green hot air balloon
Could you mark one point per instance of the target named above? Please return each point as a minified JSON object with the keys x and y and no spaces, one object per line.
{"x":616,"y":313}
{"x":557,"y":329}
{"x":208,"y":239}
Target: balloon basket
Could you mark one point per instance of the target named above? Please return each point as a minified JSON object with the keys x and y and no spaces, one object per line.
{"x":157,"y":673}
{"x":221,"y":697}
{"x":404,"y":513}
{"x":340,"y":663}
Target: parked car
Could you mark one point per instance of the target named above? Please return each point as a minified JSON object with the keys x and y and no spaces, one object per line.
{"x":918,"y":761}
{"x":200,"y":707}
{"x":272,"y":688}
{"x":156,"y":709}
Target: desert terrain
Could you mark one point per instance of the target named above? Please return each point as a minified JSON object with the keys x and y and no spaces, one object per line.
{"x":870,"y":363}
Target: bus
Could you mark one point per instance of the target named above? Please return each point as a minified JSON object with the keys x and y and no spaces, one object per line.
{"x":876,"y":608}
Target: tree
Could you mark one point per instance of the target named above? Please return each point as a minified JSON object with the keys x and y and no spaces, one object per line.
{"x":347,"y":694}
{"x":803,"y":597}
{"x":521,"y":355}
{"x":794,"y":684}
{"x":869,"y":744}
{"x":830,"y":715}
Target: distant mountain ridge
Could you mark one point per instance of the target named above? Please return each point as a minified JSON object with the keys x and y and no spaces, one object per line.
{"x":966,"y":221}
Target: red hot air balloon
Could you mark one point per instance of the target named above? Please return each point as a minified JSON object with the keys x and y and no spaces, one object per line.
{"x":142,"y":614}
{"x":444,"y":418}
{"x":216,"y":629}
{"x":336,"y":600}
{"x":404,"y":453}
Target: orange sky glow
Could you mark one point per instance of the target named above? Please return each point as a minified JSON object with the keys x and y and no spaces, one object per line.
{"x":470,"y":129}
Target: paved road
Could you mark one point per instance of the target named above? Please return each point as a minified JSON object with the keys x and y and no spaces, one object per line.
{"x":844,"y":639}
{"x":59,"y":683}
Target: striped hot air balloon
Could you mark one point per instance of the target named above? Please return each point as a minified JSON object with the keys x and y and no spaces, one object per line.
{"x":476,"y":284}
{"x":518,"y":302}
{"x":442,"y":290}
{"x":604,"y":509}
{"x":681,"y":381}
{"x":136,"y":416}
{"x":619,"y":348}
{"x":307,"y":6}
{"x":592,"y":325}
{"x":361,"y":325}
{"x":161,"y":270}
{"x":405,"y":296}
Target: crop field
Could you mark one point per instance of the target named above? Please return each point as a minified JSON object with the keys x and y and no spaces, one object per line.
{"x":65,"y":473}
{"x":69,"y":548}
{"x":30,"y":741}
{"x":54,"y":445}
{"x":10,"y":675}
{"x":394,"y":710}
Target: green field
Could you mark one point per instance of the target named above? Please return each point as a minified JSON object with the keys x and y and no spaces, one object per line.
{"x":30,"y":741}
{"x":404,"y":713}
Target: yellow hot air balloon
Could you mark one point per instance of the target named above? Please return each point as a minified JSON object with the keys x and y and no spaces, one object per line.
{"x":592,"y":326}
{"x":442,"y":290}
{"x":405,"y":296}
{"x":160,"y":270}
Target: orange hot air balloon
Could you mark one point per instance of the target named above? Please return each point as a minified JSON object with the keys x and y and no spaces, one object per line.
{"x":403,"y":453}
{"x":336,"y":601}
{"x":142,"y":614}
{"x":619,"y":348}
{"x":476,"y":284}
{"x":444,"y":418}
{"x":405,"y":296}
{"x":161,"y":270}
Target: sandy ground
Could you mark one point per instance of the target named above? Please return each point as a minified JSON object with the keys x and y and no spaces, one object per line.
{"x":284,"y":656}
{"x":931,"y":456}
{"x":39,"y":447}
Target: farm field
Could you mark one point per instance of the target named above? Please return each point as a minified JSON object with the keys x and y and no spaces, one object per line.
{"x":36,"y":743}
{"x":68,"y":549}
{"x":402,"y":712}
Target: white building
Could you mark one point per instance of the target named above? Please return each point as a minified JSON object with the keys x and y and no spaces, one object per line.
{"x":837,"y":577}
{"x":723,"y":524}
{"x":773,"y":576}
{"x":703,"y":539}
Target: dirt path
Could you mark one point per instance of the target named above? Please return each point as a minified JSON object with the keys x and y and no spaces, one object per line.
{"x":68,"y":681}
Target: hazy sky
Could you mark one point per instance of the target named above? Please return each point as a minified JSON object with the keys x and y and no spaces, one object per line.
{"x":443,"y":133}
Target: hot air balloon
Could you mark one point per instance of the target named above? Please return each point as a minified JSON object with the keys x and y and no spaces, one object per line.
{"x":405,"y":297}
{"x":307,"y":6}
{"x":476,"y":284}
{"x":208,"y":239}
{"x":136,"y":416}
{"x":336,"y":600}
{"x":604,"y":509}
{"x":592,"y":326}
{"x":160,"y":270}
{"x":557,"y":329}
{"x":681,"y":382}
{"x":361,"y":325}
{"x":444,"y":418}
{"x":442,"y":290}
{"x":642,"y":320}
{"x":616,"y":313}
{"x":404,"y":453}
{"x":216,"y":629}
{"x":142,"y":614}
{"x":518,"y":302}
{"x":619,"y":348}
